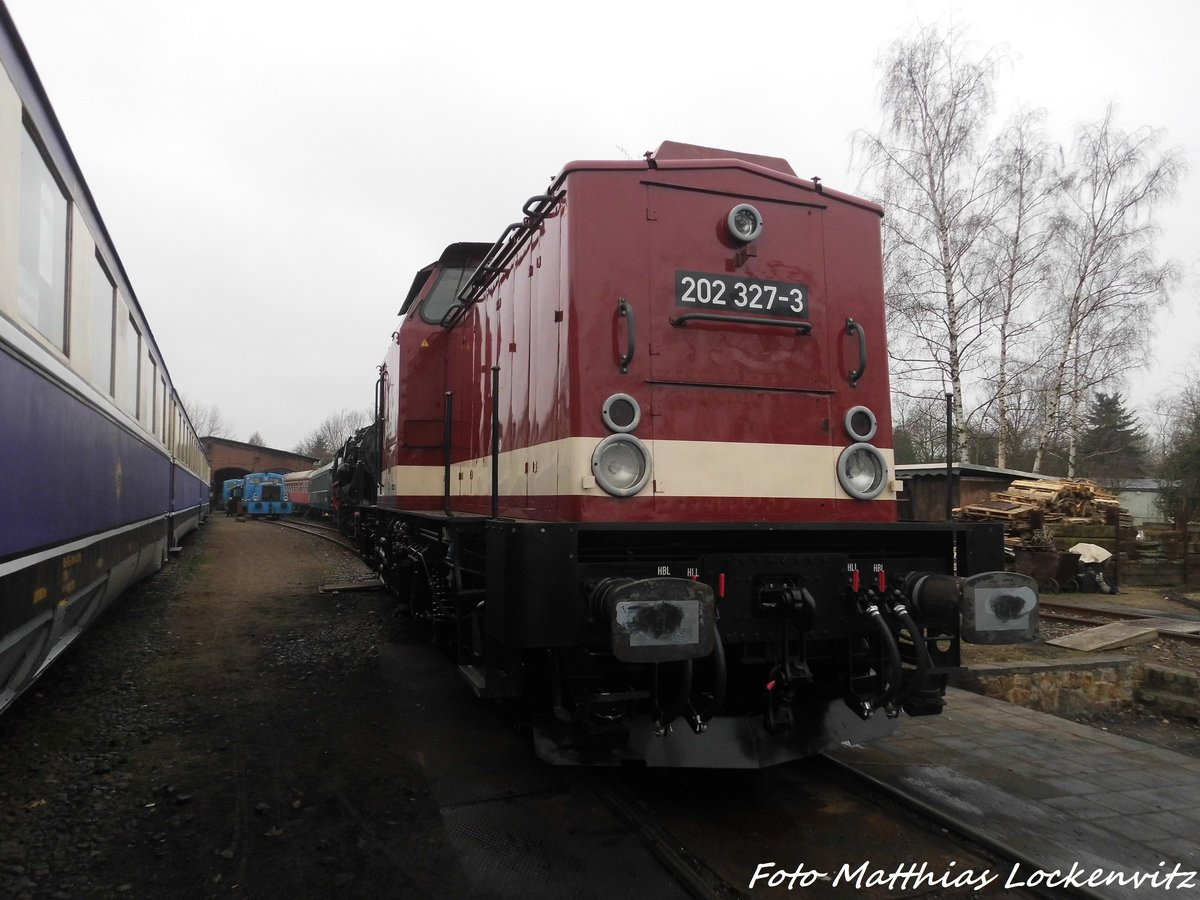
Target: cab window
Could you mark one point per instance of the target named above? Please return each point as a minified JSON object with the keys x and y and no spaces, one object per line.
{"x":443,"y":295}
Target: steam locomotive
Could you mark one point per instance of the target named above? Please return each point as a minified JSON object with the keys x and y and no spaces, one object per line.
{"x":631,"y":463}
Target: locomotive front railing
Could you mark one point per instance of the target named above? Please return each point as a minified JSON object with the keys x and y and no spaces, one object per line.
{"x":501,"y":254}
{"x":682,"y":321}
{"x":856,"y":329}
{"x":625,"y":311}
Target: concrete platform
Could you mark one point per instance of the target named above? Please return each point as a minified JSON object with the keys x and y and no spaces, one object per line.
{"x":1095,"y":808}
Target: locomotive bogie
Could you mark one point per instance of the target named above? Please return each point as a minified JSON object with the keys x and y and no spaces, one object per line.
{"x":527,"y":607}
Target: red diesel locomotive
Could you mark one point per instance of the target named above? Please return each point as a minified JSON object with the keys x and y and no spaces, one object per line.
{"x":633,"y":464}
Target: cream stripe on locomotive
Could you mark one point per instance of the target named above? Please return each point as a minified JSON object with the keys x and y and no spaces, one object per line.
{"x":680,"y":469}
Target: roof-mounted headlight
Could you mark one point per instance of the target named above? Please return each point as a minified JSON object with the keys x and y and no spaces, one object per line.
{"x":745,"y":223}
{"x":621,"y":464}
{"x":862,"y":471}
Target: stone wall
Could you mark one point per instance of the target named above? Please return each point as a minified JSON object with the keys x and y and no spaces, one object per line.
{"x":1061,"y":687}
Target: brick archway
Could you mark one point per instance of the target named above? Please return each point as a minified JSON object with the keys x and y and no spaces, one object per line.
{"x":233,"y":459}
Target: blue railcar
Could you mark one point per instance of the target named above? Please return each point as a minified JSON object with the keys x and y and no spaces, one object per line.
{"x":264,"y":494}
{"x":231,"y":495}
{"x":106,"y":473}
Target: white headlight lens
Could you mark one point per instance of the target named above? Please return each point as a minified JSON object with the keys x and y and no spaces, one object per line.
{"x":745,"y":223}
{"x":862,"y":471}
{"x":621,"y":464}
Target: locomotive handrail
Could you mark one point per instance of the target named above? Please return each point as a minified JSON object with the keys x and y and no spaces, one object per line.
{"x":495,"y":442}
{"x":625,"y":311}
{"x":497,"y":259}
{"x":540,"y":199}
{"x":855,"y":328}
{"x":682,"y":321}
{"x":447,"y":447}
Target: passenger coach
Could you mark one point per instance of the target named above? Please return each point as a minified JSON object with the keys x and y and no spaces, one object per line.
{"x":104,"y":472}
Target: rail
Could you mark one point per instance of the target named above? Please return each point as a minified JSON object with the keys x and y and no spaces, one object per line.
{"x":317,"y":531}
{"x":1093,"y":616}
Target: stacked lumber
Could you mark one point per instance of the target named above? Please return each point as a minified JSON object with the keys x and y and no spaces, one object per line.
{"x":1030,"y":509}
{"x":1079,"y":500}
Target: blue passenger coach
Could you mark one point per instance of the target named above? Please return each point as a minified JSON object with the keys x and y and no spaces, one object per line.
{"x":104,"y":472}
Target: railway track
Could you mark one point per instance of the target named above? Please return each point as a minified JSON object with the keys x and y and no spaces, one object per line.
{"x":696,"y":877}
{"x":324,"y":532}
{"x":738,"y":834}
{"x":1093,"y":616}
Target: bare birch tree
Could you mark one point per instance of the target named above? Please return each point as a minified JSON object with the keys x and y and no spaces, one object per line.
{"x":919,"y":424}
{"x":1017,"y":250}
{"x":331,"y":434}
{"x":932,"y":181}
{"x":1108,"y":275}
{"x":206,"y":419}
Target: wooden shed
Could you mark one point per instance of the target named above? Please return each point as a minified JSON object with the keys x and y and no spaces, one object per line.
{"x":923,"y":498}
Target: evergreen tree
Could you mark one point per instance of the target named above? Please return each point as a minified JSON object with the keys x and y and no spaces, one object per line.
{"x":1112,"y":445}
{"x":1180,"y":469}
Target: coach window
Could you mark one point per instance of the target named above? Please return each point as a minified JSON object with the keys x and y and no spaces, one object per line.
{"x":42,"y":291}
{"x":146,"y":376}
{"x":100,"y":328}
{"x":152,"y":394}
{"x":127,"y":345}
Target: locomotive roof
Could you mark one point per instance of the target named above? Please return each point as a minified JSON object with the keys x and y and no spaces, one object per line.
{"x":675,"y":150}
{"x":676,"y":155}
{"x":492,"y":259}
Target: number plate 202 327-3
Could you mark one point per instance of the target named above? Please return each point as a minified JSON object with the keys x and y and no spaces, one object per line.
{"x":727,"y":293}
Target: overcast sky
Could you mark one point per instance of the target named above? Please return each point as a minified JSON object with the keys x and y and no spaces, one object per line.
{"x":274,"y":172}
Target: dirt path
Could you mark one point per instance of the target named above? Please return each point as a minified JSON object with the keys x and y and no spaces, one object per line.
{"x":233,"y":740}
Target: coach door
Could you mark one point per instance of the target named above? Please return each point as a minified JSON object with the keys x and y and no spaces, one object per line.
{"x":724,"y":317}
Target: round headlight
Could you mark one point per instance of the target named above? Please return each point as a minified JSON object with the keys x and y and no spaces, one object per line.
{"x":745,"y":223}
{"x":621,"y":413}
{"x":862,"y":471}
{"x":860,"y":423}
{"x":621,"y":464}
